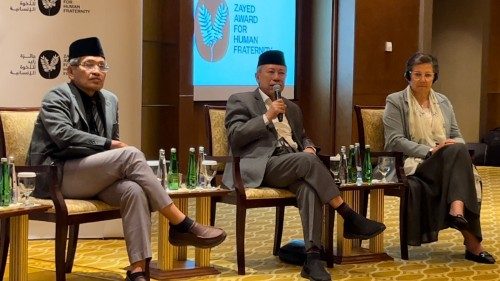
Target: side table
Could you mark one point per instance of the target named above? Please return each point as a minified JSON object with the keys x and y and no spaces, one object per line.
{"x":172,"y":261}
{"x":16,"y":219}
{"x":350,"y":250}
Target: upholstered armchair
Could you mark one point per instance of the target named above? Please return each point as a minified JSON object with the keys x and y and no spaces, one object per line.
{"x":16,"y":128}
{"x":371,"y":131}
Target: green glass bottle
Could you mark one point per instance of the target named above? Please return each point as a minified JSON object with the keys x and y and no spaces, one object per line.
{"x":367,"y":165}
{"x":173,"y":170}
{"x":192,"y":176}
{"x":6,"y":187}
{"x":351,"y":164}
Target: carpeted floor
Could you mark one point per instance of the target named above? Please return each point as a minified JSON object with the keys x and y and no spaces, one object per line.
{"x":443,"y":260}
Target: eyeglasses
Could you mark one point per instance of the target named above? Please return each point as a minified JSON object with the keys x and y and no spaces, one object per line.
{"x":89,"y":65}
{"x":420,"y":76}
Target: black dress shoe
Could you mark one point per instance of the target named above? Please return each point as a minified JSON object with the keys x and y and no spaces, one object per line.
{"x":198,"y":235}
{"x":457,"y":222}
{"x":314,"y":269}
{"x":483,"y":257}
{"x":362,"y":228}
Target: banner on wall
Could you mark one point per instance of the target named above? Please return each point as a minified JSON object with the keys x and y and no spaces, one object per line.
{"x":229,"y":36}
{"x":34,"y":40}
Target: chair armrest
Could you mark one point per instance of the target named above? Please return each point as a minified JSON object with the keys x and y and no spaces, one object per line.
{"x":50,"y":175}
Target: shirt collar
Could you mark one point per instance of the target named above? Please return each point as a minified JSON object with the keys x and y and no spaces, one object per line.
{"x":263,"y":96}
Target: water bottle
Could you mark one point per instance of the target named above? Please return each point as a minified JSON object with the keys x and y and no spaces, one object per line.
{"x":343,"y":166}
{"x":351,"y":165}
{"x":161,"y":172}
{"x":6,"y":192}
{"x":13,"y":181}
{"x":199,"y":168}
{"x":367,"y":165}
{"x":192,"y":177}
{"x":173,"y":170}
{"x":358,"y":163}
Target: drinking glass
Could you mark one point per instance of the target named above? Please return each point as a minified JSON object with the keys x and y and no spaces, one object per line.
{"x":26,"y":184}
{"x":209,"y":168}
{"x":385,"y":164}
{"x":334,"y":167}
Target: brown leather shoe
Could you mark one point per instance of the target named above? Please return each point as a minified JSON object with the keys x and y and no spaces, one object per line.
{"x":200,"y":236}
{"x":138,"y":276}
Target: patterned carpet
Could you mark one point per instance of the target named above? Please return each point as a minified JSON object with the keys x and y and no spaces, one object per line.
{"x":443,"y":260}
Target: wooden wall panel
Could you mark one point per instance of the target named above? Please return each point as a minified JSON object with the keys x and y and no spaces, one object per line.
{"x":493,"y":74}
{"x":378,"y":72}
{"x":159,"y":125}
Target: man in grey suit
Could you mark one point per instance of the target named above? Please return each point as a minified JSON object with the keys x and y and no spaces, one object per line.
{"x":267,"y":133}
{"x":77,"y":129}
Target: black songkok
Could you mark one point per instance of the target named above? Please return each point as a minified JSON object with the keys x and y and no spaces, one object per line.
{"x":86,"y":47}
{"x":272,"y":57}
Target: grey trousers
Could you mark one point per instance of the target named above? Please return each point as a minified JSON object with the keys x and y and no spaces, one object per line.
{"x":305,"y":175}
{"x":120,"y":177}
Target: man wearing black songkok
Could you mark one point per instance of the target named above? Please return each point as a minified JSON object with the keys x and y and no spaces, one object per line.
{"x":77,"y":129}
{"x":279,"y":154}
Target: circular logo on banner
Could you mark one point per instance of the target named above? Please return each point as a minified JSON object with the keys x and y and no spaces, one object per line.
{"x":49,"y":64}
{"x":211,"y":29}
{"x":49,"y":7}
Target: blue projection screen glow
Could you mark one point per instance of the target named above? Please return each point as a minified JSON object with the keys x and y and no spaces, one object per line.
{"x":229,"y":36}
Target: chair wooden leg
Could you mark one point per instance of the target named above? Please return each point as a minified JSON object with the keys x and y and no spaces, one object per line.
{"x":329,"y":223}
{"x":213,"y":205}
{"x":73,"y":240}
{"x":403,"y":226}
{"x":4,"y":244}
{"x":241,"y":214}
{"x":278,"y":228}
{"x":61,"y":236}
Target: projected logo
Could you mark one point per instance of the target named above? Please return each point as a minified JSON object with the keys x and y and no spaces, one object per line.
{"x":211,"y":29}
{"x":49,"y":64}
{"x":49,"y":7}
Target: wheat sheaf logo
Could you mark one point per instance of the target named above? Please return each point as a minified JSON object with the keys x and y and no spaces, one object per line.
{"x":49,"y":7}
{"x":49,"y":64}
{"x":212,"y":35}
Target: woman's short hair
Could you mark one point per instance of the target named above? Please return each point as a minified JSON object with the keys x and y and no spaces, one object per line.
{"x":421,"y":58}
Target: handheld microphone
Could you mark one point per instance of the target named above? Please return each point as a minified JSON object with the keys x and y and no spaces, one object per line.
{"x":277,"y":93}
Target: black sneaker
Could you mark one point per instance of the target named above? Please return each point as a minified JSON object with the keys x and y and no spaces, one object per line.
{"x":314,"y":269}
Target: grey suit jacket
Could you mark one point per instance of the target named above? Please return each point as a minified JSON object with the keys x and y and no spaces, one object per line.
{"x":62,"y":123}
{"x":254,"y":141}
{"x":396,"y":127}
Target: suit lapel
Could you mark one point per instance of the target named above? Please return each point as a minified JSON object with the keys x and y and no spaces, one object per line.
{"x":261,"y":107}
{"x":106,"y":110}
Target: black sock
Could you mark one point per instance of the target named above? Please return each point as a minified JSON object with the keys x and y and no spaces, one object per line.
{"x":184,"y":225}
{"x":345,"y":211}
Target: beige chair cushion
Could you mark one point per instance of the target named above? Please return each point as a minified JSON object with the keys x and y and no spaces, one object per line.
{"x":267,"y":192}
{"x":18,"y":128}
{"x":220,"y":146}
{"x":374,"y":128}
{"x":78,"y":206}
